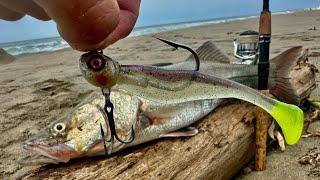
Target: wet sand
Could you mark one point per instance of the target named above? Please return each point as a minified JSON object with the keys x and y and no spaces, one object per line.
{"x":37,"y":89}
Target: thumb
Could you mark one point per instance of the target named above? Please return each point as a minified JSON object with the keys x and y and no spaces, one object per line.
{"x":83,"y":24}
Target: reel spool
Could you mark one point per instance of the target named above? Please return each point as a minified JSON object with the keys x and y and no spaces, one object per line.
{"x":246,"y":47}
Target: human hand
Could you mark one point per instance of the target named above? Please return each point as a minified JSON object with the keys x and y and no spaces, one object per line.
{"x":85,"y":24}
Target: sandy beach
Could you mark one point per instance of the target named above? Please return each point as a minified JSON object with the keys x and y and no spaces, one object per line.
{"x":37,"y":89}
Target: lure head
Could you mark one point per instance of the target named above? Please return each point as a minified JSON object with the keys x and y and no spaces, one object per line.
{"x":99,"y":70}
{"x":75,"y":135}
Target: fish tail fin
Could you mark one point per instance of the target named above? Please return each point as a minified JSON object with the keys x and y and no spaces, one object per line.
{"x":290,"y":118}
{"x":282,"y":85}
{"x":209,"y":51}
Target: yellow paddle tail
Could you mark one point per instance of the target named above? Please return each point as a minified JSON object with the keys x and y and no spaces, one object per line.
{"x":290,"y":119}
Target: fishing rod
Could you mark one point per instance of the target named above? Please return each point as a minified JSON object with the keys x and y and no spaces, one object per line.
{"x":263,"y":73}
{"x":264,"y":45}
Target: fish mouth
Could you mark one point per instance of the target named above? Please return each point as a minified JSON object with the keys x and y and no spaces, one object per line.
{"x":47,"y":154}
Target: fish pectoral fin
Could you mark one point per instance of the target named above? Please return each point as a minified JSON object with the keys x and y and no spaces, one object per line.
{"x":185,"y":132}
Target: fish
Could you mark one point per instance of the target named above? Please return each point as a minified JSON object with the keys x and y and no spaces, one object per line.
{"x":77,"y":134}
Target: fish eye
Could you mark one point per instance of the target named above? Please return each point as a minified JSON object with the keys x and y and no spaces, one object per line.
{"x":96,"y":63}
{"x":59,"y":127}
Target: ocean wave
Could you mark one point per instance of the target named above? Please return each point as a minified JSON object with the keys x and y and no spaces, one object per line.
{"x":35,"y":46}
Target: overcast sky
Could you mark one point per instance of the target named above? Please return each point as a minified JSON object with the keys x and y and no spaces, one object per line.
{"x":155,"y":12}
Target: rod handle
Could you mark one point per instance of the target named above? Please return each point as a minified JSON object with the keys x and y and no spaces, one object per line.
{"x":265,"y":23}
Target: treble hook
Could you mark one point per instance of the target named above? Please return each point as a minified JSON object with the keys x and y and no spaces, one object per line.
{"x":178,"y":45}
{"x":108,"y":108}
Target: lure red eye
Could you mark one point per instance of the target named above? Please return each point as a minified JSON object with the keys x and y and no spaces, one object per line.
{"x":96,"y":63}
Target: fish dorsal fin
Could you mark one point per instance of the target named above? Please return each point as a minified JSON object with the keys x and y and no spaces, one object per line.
{"x":210,"y":52}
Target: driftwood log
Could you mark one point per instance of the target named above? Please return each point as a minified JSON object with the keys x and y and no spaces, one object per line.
{"x":226,"y":143}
